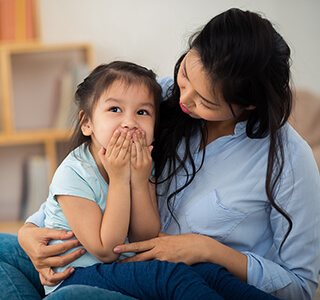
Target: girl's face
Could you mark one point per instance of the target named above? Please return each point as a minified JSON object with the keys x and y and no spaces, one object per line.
{"x":121,"y":106}
{"x":196,"y":94}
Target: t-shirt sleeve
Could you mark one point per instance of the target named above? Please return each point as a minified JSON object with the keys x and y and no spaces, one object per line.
{"x":72,"y":181}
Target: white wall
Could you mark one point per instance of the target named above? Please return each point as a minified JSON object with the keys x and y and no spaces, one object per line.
{"x":154,"y":33}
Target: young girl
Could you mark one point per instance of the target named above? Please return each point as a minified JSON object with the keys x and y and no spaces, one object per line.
{"x":101,"y":192}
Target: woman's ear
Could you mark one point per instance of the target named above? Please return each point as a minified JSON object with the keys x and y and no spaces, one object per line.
{"x":250,"y":107}
{"x":85,"y":124}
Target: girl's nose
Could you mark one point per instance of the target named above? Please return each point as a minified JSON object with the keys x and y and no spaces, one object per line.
{"x":129,"y":123}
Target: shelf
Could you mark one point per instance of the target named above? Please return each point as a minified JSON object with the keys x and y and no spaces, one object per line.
{"x":34,"y":136}
{"x":35,"y":109}
{"x":10,"y":227}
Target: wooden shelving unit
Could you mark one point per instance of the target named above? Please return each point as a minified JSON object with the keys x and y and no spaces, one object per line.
{"x":15,"y":59}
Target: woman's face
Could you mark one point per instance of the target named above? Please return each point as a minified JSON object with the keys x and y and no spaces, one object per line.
{"x":196,"y":93}
{"x":120,"y":107}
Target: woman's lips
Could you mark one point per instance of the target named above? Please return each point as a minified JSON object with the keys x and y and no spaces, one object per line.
{"x":184,"y":109}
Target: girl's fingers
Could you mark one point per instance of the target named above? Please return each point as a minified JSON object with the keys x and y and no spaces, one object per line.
{"x":143,"y":139}
{"x":145,"y":148}
{"x":112,"y":142}
{"x":138,"y":146}
{"x":134,"y":153}
{"x":118,"y":145}
{"x":126,"y":146}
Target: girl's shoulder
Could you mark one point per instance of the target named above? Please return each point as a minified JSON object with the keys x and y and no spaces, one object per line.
{"x":77,"y":163}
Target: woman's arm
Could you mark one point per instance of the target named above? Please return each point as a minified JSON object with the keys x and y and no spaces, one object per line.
{"x":290,"y":274}
{"x":145,"y":219}
{"x":188,"y":248}
{"x":99,"y":232}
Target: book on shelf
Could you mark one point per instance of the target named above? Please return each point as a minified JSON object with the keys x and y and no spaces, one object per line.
{"x":17,"y":20}
{"x":35,"y":185}
{"x":65,"y":106}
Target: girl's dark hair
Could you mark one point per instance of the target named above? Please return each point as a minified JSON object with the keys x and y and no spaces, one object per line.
{"x":99,"y":80}
{"x":249,"y":62}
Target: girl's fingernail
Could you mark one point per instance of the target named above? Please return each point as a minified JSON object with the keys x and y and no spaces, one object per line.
{"x":116,"y":249}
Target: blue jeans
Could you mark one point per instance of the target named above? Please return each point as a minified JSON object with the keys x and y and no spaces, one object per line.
{"x":164,"y":280}
{"x":20,"y":280}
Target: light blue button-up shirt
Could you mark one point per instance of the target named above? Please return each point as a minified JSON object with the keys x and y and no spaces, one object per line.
{"x":227,"y":201}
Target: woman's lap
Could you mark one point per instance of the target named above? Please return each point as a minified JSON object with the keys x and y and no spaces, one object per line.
{"x":20,"y":280}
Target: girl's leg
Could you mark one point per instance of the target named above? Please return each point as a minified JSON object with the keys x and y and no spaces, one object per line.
{"x":84,"y":292}
{"x":18,"y":277}
{"x":227,"y":285}
{"x":145,"y":280}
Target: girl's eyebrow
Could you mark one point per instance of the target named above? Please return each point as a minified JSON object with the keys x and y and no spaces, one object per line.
{"x":151,"y":105}
{"x":204,"y":99}
{"x":112,"y":99}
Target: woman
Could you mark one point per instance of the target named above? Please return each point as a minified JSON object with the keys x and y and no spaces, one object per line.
{"x":233,"y":177}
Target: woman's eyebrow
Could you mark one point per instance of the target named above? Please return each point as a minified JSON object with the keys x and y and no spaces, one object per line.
{"x":204,"y":99}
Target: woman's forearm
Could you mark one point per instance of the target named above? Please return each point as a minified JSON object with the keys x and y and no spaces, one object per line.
{"x":218,"y":253}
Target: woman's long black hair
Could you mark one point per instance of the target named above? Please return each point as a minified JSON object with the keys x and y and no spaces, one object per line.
{"x":249,"y":62}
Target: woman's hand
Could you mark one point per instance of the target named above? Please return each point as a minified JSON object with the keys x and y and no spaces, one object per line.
{"x":187,"y":248}
{"x":34,"y":241}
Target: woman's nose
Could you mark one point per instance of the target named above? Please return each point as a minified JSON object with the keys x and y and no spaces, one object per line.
{"x":186,"y":96}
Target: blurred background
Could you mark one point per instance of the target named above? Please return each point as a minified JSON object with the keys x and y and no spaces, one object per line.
{"x":40,"y":70}
{"x":154,"y":33}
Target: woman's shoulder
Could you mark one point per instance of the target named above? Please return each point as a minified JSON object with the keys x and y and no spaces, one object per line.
{"x":293,"y":139}
{"x":165,"y":83}
{"x":297,"y":150}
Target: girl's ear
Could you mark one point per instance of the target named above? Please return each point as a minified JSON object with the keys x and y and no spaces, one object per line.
{"x":85,"y":124}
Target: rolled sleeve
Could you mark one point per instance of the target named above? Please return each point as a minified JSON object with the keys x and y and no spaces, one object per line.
{"x":38,"y":217}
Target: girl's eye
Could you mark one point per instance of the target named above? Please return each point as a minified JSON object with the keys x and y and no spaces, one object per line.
{"x":115,"y":109}
{"x":142,"y":112}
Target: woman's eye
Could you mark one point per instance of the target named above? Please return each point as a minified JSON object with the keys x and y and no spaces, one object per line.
{"x":142,"y":112}
{"x":115,"y":109}
{"x":204,"y":106}
{"x":183,"y":72}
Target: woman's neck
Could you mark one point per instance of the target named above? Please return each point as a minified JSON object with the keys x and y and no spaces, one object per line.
{"x":217,"y":129}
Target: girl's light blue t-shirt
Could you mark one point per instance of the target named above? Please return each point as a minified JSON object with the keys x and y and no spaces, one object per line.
{"x":79,"y":176}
